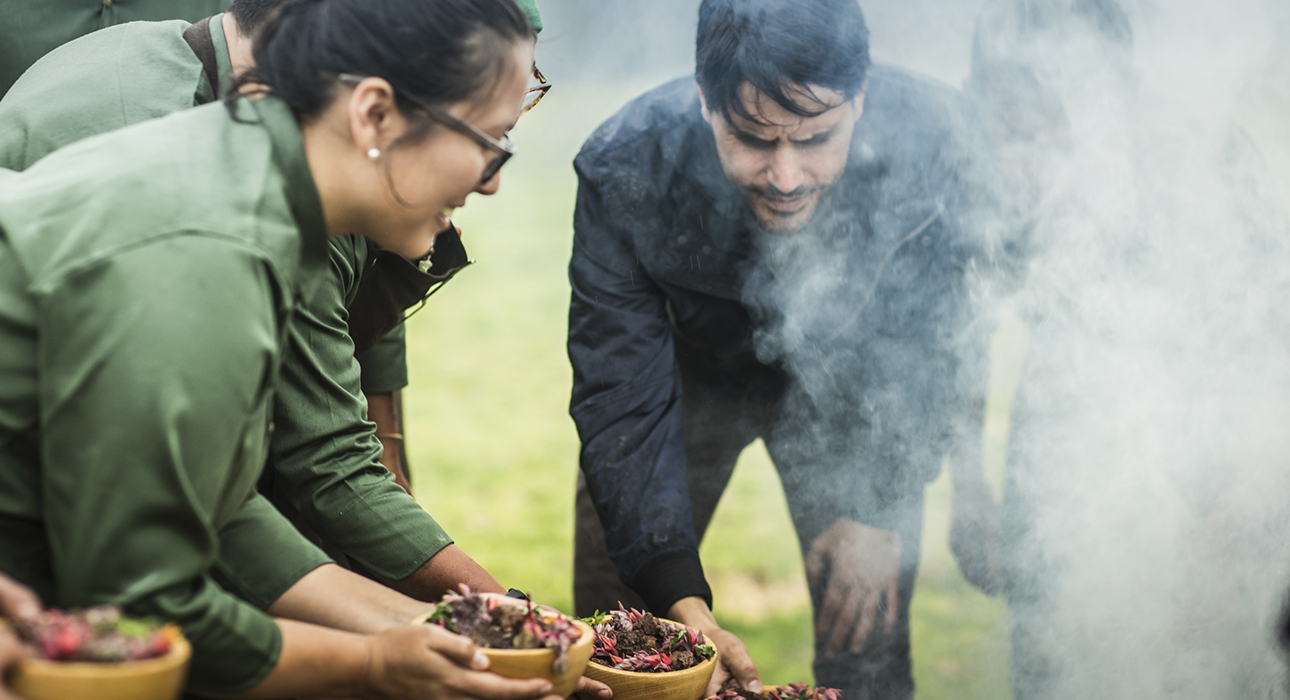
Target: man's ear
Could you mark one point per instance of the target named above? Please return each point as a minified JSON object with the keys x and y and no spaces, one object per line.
{"x":373,"y":118}
{"x":703,"y":107}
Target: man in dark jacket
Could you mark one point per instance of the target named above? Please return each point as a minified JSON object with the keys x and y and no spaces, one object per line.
{"x":779,"y":254}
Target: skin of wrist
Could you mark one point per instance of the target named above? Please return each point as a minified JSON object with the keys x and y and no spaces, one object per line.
{"x":692,"y":611}
{"x":409,"y":612}
{"x":373,"y":668}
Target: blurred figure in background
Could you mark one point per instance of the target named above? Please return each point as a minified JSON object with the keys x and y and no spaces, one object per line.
{"x":1142,"y":266}
{"x":29,"y":30}
{"x":776,"y":253}
{"x":1026,"y":127}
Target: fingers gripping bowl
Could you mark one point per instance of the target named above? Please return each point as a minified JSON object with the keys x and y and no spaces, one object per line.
{"x":521,"y":640}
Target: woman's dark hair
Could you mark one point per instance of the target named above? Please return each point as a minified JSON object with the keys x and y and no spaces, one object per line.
{"x":781,"y":48}
{"x":432,"y":53}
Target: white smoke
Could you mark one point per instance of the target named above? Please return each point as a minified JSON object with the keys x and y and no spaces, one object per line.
{"x":1148,"y":471}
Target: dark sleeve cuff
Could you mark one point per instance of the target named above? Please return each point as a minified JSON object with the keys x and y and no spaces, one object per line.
{"x":670,"y":577}
{"x":885,"y":512}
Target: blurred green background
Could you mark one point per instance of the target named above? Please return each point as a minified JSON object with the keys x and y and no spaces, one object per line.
{"x":494,"y":453}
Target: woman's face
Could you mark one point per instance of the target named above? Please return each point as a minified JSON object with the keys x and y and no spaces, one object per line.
{"x":430,"y":178}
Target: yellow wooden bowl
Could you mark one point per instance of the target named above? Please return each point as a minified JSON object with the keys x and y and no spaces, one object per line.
{"x":536,"y":663}
{"x":687,"y":684}
{"x":161,"y":678}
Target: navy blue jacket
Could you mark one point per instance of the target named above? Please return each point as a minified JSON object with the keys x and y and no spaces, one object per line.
{"x":666,"y":265}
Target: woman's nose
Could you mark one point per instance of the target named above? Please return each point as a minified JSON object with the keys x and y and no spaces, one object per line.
{"x":491,"y":185}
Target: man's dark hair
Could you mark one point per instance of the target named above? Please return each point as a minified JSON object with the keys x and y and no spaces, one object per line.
{"x":782,"y":48}
{"x":251,"y":14}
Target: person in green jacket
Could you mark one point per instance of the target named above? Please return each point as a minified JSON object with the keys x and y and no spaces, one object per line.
{"x":324,"y":468}
{"x":142,"y":70}
{"x":147,"y":281}
{"x":29,"y":30}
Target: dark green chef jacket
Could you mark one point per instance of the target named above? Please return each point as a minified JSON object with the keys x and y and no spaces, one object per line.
{"x":30,"y":29}
{"x":324,"y":452}
{"x":147,"y":277}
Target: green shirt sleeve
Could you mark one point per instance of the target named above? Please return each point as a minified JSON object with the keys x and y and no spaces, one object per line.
{"x":385,"y":366}
{"x":325,"y":453}
{"x":243,"y":567}
{"x":155,"y":366}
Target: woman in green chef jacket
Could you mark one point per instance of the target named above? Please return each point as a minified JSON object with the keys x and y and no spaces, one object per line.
{"x":146,"y":279}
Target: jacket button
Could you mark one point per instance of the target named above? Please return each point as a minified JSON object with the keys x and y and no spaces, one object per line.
{"x":707,"y":249}
{"x":680,"y":240}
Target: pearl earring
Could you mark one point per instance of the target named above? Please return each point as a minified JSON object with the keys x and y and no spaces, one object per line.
{"x":374,"y":153}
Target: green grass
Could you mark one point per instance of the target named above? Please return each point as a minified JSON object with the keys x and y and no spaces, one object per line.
{"x":494,"y":453}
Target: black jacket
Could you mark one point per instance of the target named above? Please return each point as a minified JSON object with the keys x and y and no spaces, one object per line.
{"x":668,"y":269}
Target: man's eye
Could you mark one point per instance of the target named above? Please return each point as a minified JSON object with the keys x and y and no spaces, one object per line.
{"x":818,"y":140}
{"x":754,"y":142}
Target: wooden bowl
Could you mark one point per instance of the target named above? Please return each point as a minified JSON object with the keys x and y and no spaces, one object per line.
{"x":161,"y":678}
{"x":688,"y":684}
{"x":536,"y":663}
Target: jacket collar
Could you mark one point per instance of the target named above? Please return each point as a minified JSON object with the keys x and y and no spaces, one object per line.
{"x":302,"y":195}
{"x":223,"y":63}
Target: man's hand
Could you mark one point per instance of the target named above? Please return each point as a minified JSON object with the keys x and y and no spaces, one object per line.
{"x":732,"y":654}
{"x":588,"y":689}
{"x":863,"y":565}
{"x":974,"y":534}
{"x":974,"y":518}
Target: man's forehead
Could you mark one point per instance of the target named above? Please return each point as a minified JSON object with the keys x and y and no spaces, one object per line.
{"x":773,"y":117}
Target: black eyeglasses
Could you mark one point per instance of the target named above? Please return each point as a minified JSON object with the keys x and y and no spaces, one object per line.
{"x":502,"y":149}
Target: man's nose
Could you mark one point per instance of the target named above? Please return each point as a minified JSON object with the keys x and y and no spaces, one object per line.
{"x":784,"y":172}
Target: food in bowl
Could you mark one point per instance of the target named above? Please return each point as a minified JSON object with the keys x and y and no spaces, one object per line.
{"x":493,"y":622}
{"x":793,"y":691}
{"x":633,"y":640}
{"x":94,"y":635}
